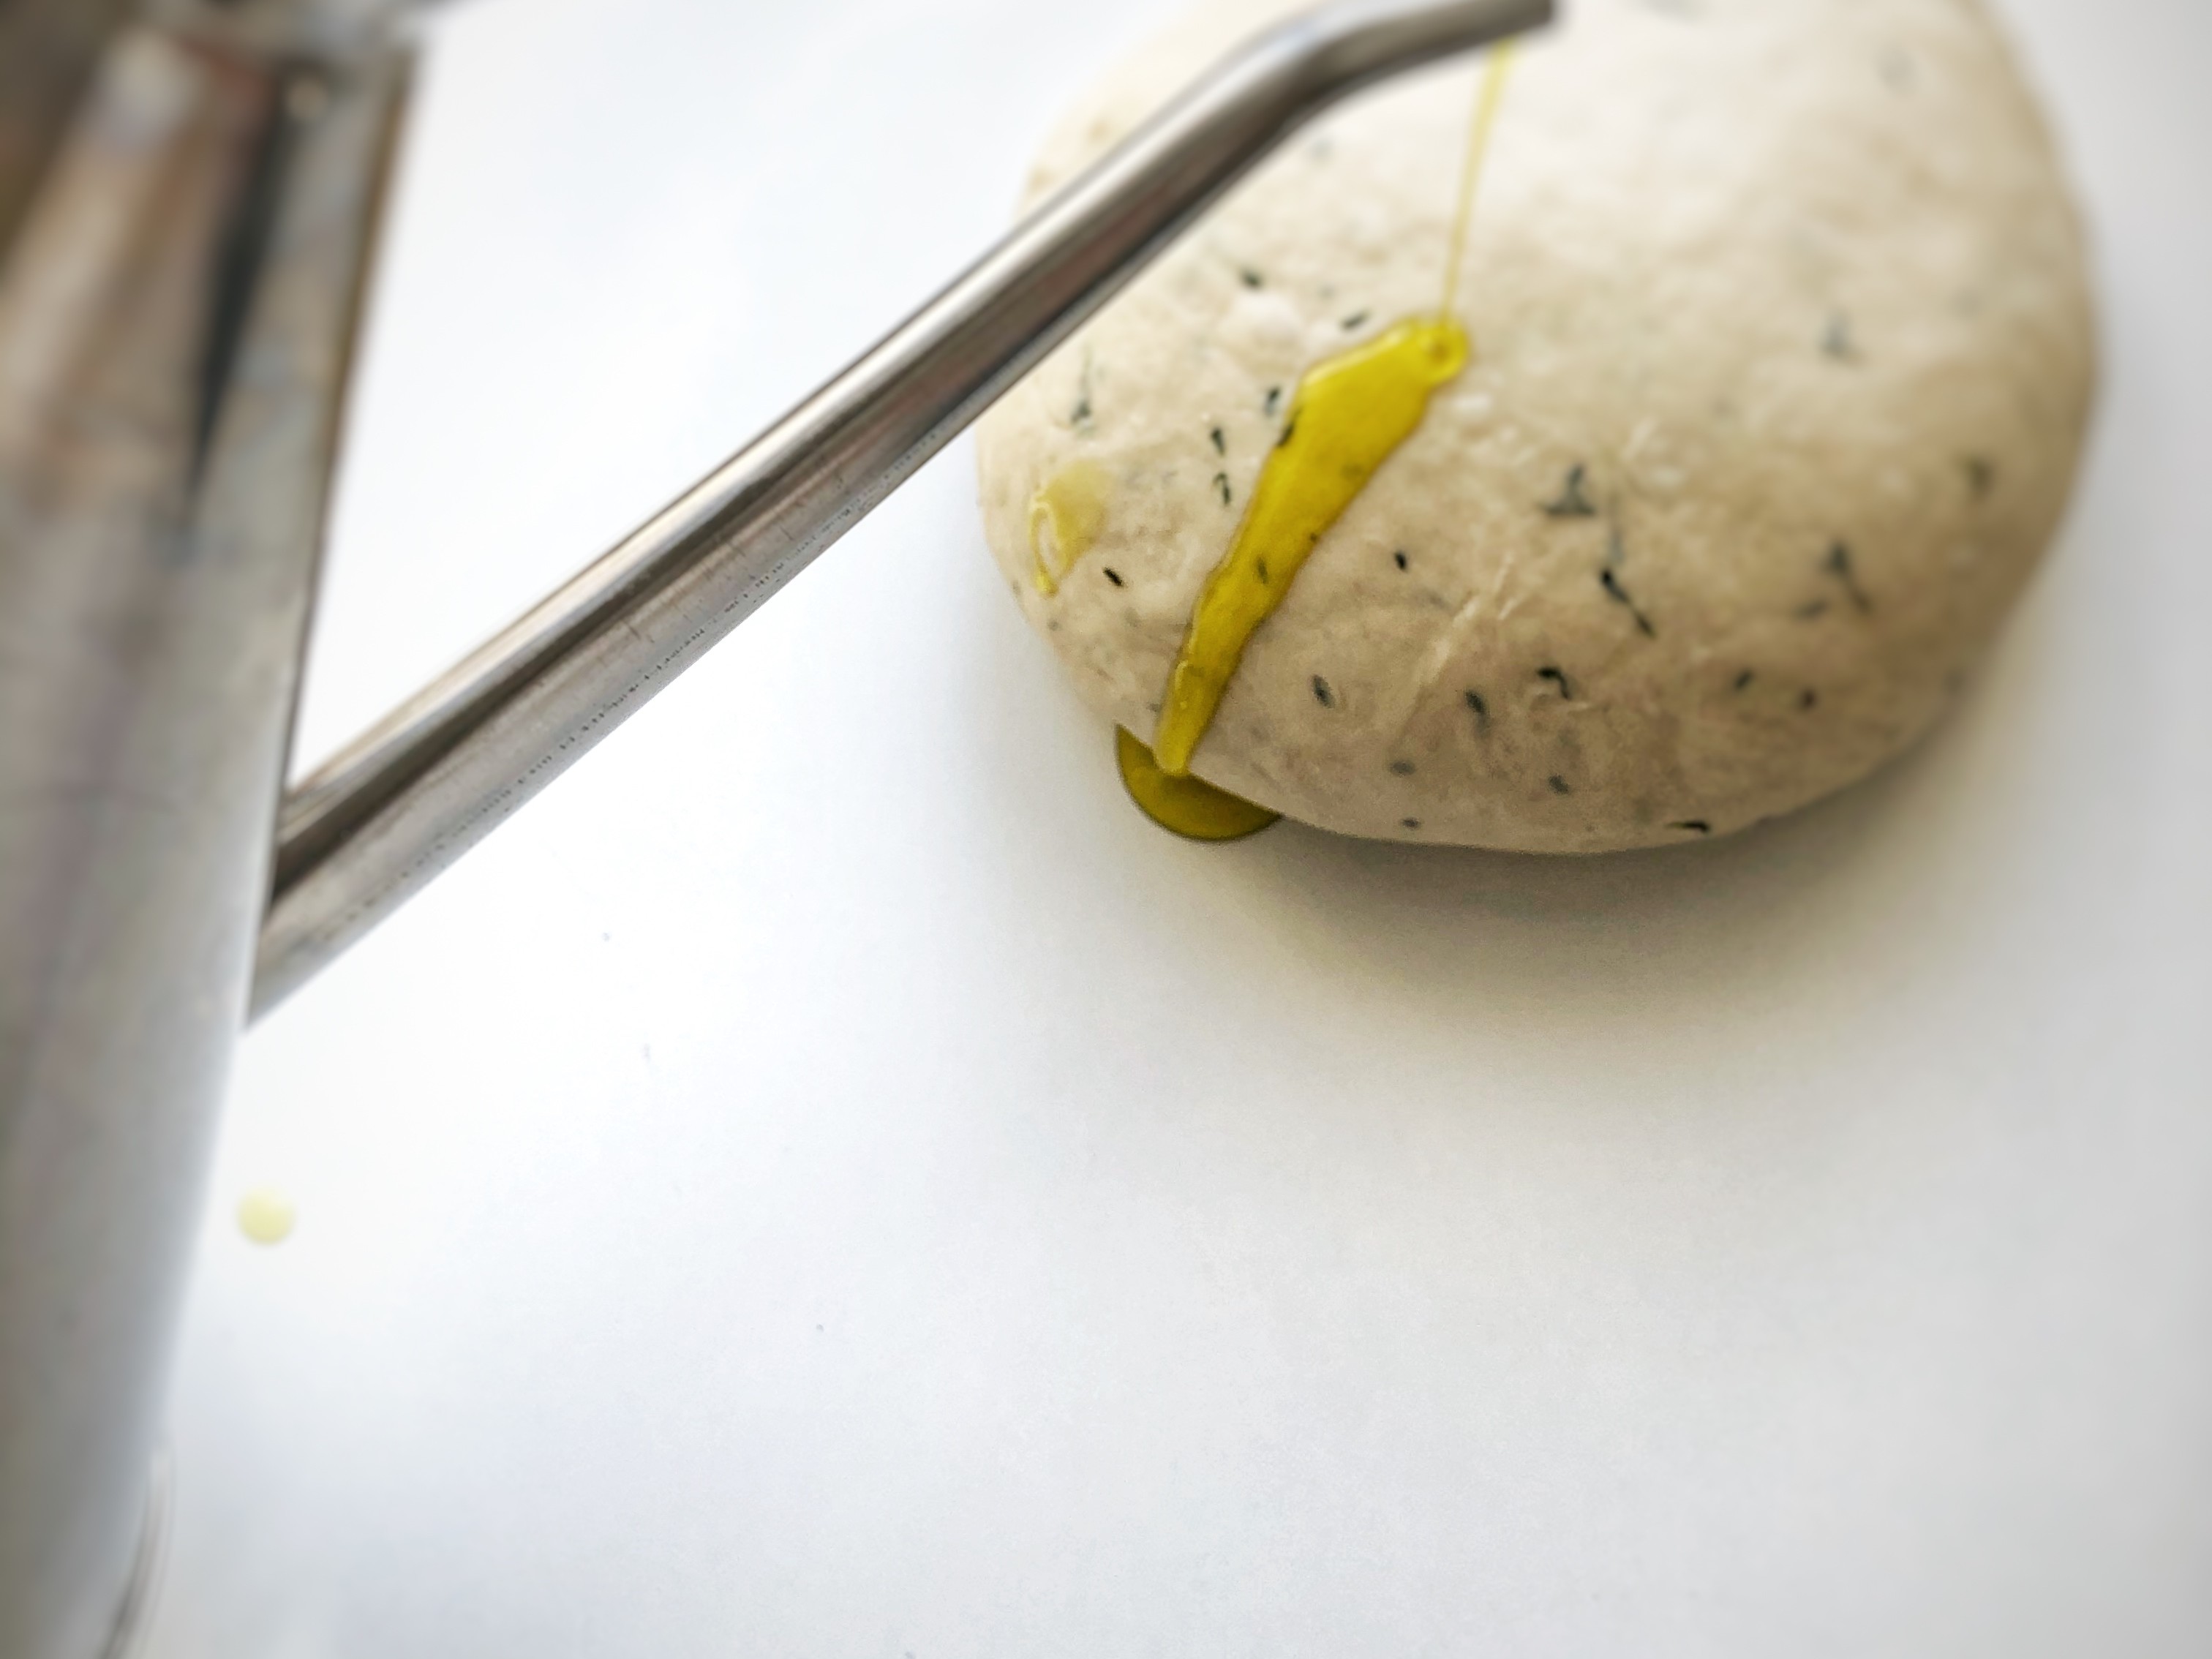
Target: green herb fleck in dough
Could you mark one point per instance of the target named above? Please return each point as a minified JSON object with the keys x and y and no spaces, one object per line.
{"x":1840,"y":566}
{"x":1083,"y":419}
{"x":1619,"y":595}
{"x":1572,"y":503}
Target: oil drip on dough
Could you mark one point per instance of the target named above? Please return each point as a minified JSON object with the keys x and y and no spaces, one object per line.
{"x":1349,"y":416}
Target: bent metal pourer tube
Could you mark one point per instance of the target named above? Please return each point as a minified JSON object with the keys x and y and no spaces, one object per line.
{"x":392,"y":810}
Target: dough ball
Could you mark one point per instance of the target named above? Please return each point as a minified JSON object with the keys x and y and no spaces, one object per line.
{"x":1782,"y":358}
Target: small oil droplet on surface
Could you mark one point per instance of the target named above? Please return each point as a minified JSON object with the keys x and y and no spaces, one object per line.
{"x":1189,"y":806}
{"x":266,"y":1215}
{"x":1067,"y":518}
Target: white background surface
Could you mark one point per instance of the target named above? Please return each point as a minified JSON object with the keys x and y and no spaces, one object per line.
{"x":830,"y":1180}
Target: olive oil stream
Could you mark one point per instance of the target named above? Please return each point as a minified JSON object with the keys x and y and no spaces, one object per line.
{"x":1349,"y":415}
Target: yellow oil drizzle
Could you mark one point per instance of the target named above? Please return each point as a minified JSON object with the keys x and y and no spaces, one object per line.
{"x":1066,"y":517}
{"x":1350,"y":414}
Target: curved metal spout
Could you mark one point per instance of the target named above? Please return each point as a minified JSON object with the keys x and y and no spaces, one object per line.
{"x":438,"y":774}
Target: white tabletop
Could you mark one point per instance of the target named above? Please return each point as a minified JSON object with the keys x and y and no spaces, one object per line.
{"x":830,"y":1180}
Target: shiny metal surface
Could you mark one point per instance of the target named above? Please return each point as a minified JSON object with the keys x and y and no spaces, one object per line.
{"x":388,"y":813}
{"x":47,"y":51}
{"x":175,"y":319}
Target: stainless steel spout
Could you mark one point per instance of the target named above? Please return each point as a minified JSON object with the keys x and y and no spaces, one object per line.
{"x":438,"y":774}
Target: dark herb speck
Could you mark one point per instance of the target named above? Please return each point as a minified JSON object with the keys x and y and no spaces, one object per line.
{"x":1841,"y":566}
{"x":1481,"y":708}
{"x":1220,"y":441}
{"x":1693,"y":826}
{"x":1399,"y":559}
{"x":1221,"y":483}
{"x":1743,"y":680}
{"x":1357,"y":319}
{"x":1572,"y":503}
{"x":1981,"y":475}
{"x":1083,"y":415}
{"x":1619,"y":595}
{"x":1115,"y":577}
{"x":1252,"y":278}
{"x":1410,"y":823}
{"x":1809,"y":700}
{"x":1560,"y":785}
{"x":1275,"y":399}
{"x":1322,"y":693}
{"x":1559,"y":678}
{"x":1402,"y":768}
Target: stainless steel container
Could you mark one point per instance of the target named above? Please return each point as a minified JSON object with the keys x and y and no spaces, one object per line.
{"x":176,"y":308}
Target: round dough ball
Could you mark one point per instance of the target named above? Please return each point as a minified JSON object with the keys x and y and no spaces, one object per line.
{"x":1784,"y":354}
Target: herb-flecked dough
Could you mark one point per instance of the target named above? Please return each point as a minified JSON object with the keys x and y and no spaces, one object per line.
{"x":1784,"y":354}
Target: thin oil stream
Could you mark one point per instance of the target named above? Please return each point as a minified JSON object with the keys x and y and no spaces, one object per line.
{"x":1349,"y":415}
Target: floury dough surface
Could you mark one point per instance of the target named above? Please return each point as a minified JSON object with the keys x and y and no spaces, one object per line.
{"x":1784,"y":353}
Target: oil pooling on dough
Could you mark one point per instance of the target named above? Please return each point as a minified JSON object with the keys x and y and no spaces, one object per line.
{"x":1065,"y":519}
{"x":1349,"y":415}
